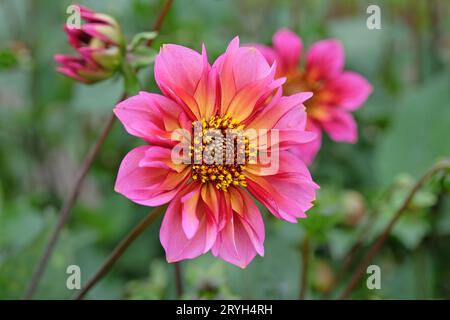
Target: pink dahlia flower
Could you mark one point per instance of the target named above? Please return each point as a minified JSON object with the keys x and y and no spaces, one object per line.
{"x":337,"y":93}
{"x":210,"y":205}
{"x":99,"y":43}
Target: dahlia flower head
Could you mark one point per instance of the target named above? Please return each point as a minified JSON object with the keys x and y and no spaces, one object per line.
{"x":208,"y":182}
{"x":336,"y":92}
{"x":99,"y":43}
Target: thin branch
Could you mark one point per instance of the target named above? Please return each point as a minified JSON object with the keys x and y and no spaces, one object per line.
{"x":162,"y":15}
{"x":305,"y":253}
{"x":66,"y":209}
{"x":352,"y":254}
{"x":178,"y":279}
{"x":119,"y":250}
{"x":378,"y":244}
{"x":68,"y":204}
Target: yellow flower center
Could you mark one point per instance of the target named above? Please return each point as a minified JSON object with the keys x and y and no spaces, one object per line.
{"x":219,"y":151}
{"x":300,"y":82}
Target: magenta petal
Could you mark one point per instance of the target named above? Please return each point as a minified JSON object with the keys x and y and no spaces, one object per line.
{"x":173,"y":238}
{"x":288,"y":47}
{"x":243,"y":234}
{"x":146,"y":185}
{"x":341,"y":127}
{"x":177,"y":66}
{"x":100,"y":31}
{"x":325,"y":59}
{"x":351,"y":90}
{"x":287,"y":193}
{"x":70,"y":73}
{"x":268,"y":53}
{"x":190,"y":220}
{"x":150,"y":116}
{"x":249,"y":65}
{"x":242,"y":71}
{"x":308,"y":151}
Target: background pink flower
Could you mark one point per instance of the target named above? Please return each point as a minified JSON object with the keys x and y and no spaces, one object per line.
{"x":210,"y":207}
{"x":337,"y":93}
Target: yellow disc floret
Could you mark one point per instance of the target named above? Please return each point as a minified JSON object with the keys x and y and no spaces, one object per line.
{"x":216,"y":158}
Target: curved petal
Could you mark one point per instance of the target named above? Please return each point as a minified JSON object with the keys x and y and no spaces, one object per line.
{"x":341,"y":127}
{"x":178,"y":71}
{"x":147,"y":177}
{"x":308,"y":151}
{"x":285,"y":121}
{"x":176,"y":243}
{"x":288,"y":47}
{"x":287,"y":192}
{"x":325,"y":60}
{"x":246,"y":80}
{"x":243,"y":235}
{"x":350,"y":89}
{"x":269,"y":53}
{"x":152,"y":117}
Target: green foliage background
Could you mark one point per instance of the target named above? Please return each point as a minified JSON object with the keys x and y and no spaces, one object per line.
{"x":48,"y":122}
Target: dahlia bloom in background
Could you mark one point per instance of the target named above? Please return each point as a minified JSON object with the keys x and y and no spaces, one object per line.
{"x":99,"y":43}
{"x":210,"y":207}
{"x":337,"y":93}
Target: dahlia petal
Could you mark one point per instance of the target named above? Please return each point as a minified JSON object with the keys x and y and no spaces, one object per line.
{"x":224,"y":65}
{"x":160,"y":157}
{"x":308,"y":151}
{"x":287,"y":193}
{"x":274,"y":112}
{"x":206,"y":94}
{"x":243,"y":72}
{"x":71,"y":74}
{"x":288,"y":47}
{"x":147,"y":185}
{"x":249,"y":65}
{"x":251,"y":218}
{"x":190,"y":220}
{"x":269,"y":53}
{"x":245,"y":101}
{"x":341,"y":127}
{"x":211,"y":198}
{"x":178,"y":71}
{"x":105,"y":33}
{"x":287,"y":115}
{"x":151,"y":117}
{"x":243,"y":235}
{"x":76,"y":37}
{"x":325,"y":59}
{"x":351,"y":90}
{"x":173,"y":237}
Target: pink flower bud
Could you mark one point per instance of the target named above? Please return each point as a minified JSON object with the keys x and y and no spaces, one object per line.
{"x":100,"y":45}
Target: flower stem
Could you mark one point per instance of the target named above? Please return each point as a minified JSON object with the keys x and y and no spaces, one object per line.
{"x":162,"y":15}
{"x":68,"y":204}
{"x":119,"y":250}
{"x":379,"y":242}
{"x":178,"y":279}
{"x":64,"y":213}
{"x":305,"y":253}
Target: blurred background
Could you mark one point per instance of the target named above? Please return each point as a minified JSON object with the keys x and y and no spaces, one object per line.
{"x":48,"y":122}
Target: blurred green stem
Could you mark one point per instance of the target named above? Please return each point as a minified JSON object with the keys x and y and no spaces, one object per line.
{"x":120,"y":249}
{"x":70,"y":201}
{"x":379,"y":242}
{"x":64,"y":213}
{"x":305,"y":249}
{"x":178,"y":279}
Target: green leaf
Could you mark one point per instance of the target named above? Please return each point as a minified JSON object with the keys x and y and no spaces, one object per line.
{"x":141,"y":38}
